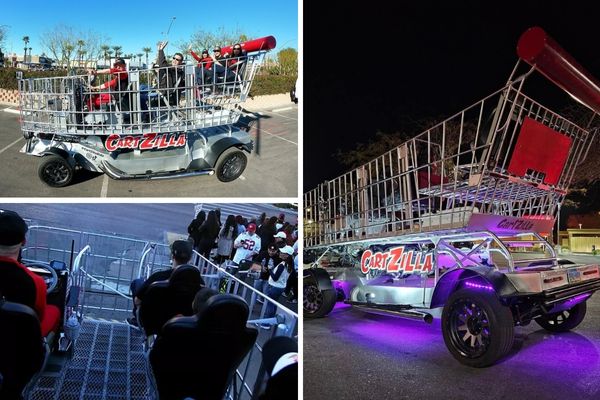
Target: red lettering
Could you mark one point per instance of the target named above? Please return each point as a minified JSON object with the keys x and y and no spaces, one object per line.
{"x":161,"y":142}
{"x":418,"y":266}
{"x":365,"y":263}
{"x":394,"y":264}
{"x":110,"y":142}
{"x":408,"y":267}
{"x":128,"y":143}
{"x":377,"y":262}
{"x":428,"y":264}
{"x":181,"y":140}
{"x":148,"y":141}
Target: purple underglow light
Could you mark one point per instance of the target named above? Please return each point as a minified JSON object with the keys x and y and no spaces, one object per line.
{"x":478,"y":286}
{"x":572,"y":302}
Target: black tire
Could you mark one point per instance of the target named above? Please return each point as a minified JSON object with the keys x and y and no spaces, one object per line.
{"x":317,"y":303}
{"x":563,"y":321}
{"x":55,"y":171}
{"x":231,"y":164}
{"x":478,"y":330}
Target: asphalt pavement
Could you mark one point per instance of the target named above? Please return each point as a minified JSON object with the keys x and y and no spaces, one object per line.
{"x":272,"y":169}
{"x":353,"y":355}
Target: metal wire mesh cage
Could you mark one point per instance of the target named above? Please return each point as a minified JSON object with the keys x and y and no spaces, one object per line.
{"x":143,"y":101}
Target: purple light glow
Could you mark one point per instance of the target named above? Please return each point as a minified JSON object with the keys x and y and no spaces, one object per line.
{"x":478,"y":286}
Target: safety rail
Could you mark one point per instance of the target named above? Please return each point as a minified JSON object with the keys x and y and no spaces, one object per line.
{"x":284,"y":323}
{"x":472,"y":162}
{"x":106,"y":264}
{"x":192,"y":98}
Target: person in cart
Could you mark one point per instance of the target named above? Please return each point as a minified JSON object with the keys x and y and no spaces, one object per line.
{"x":117,"y":85}
{"x":171,"y":78}
{"x":17,"y":283}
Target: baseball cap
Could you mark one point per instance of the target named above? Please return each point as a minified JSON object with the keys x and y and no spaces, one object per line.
{"x":287,"y":250}
{"x":251,"y":227}
{"x":12,"y":228}
{"x":119,"y":60}
{"x":217,"y":48}
{"x":182,"y":249}
{"x":273,"y":247}
{"x":280,"y":235}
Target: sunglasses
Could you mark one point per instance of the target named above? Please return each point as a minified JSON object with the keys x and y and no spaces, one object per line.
{"x":237,"y":48}
{"x":178,"y":59}
{"x":217,"y":51}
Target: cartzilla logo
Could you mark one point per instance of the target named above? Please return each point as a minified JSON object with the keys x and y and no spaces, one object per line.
{"x":396,"y":260}
{"x":147,"y":141}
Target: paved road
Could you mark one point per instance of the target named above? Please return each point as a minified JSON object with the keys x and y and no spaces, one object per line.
{"x":273,"y":172}
{"x":351,"y":355}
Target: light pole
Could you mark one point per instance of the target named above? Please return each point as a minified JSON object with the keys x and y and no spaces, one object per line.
{"x":30,"y":55}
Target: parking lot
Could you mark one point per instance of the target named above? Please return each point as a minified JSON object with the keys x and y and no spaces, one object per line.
{"x":353,"y":355}
{"x":271,"y":172}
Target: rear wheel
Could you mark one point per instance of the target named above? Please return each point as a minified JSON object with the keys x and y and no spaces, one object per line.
{"x":563,"y":321}
{"x":317,"y":303}
{"x":55,"y":171}
{"x":231,"y":165}
{"x":478,"y":330}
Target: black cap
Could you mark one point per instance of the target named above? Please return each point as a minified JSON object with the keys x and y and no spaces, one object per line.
{"x":217,"y":48}
{"x":204,"y":51}
{"x":119,"y":60}
{"x":182,"y":249}
{"x":12,"y":228}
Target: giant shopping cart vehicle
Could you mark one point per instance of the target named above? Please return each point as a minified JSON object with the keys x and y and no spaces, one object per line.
{"x":150,"y":128}
{"x":457,"y":218}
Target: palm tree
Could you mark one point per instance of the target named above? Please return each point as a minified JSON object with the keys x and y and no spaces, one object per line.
{"x":117,"y":50}
{"x":105,"y":48}
{"x":67,"y":54}
{"x":146,"y":50}
{"x":139,"y":56}
{"x":26,"y":40}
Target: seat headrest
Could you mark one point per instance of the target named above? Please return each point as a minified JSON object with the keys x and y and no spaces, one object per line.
{"x":223,"y":311}
{"x":186,"y":275}
{"x":19,"y":312}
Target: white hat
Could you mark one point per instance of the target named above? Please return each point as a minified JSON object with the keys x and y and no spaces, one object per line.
{"x":280,"y":235}
{"x":287,"y":250}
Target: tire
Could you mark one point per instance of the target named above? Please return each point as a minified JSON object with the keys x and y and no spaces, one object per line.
{"x":317,"y":303}
{"x":478,"y":330}
{"x":55,"y":171}
{"x":563,"y":321}
{"x":231,"y":164}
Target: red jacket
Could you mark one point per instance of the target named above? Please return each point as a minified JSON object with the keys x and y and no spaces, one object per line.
{"x":47,"y":314}
{"x":119,"y":74}
{"x":205,"y":62}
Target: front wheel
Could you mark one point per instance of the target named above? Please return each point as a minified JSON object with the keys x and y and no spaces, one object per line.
{"x":317,"y":303}
{"x":231,"y":165}
{"x":478,"y":330}
{"x":563,"y":321}
{"x":55,"y":171}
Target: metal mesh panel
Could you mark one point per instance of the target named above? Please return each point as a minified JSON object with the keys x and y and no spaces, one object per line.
{"x":107,"y":363}
{"x":67,"y":106}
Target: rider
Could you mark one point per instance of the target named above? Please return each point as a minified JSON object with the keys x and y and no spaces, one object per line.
{"x":17,"y":283}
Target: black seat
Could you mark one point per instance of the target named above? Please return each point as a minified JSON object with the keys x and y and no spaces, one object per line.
{"x":197,"y":356}
{"x":166,"y":299}
{"x":22,"y":350}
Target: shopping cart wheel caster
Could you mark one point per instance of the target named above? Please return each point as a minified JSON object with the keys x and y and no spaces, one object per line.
{"x":55,"y":171}
{"x":231,"y":165}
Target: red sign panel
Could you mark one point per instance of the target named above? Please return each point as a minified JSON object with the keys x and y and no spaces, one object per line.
{"x":540,"y":149}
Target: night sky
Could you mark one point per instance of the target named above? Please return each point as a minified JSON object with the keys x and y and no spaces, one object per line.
{"x":385,"y":65}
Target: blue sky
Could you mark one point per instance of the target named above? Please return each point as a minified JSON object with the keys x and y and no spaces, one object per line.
{"x":134,"y":24}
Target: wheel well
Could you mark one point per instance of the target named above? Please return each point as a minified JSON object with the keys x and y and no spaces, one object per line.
{"x":319,"y":276}
{"x":221,"y":146}
{"x":474,"y":278}
{"x":56,"y":152}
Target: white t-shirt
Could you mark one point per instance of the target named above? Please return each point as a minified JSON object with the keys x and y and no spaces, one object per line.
{"x":250,"y":245}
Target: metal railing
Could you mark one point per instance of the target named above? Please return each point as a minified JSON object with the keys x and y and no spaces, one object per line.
{"x":110,"y":262}
{"x":144,"y":101}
